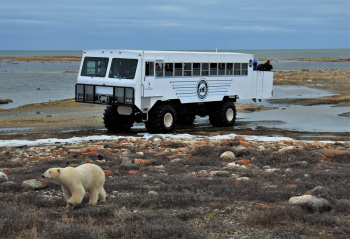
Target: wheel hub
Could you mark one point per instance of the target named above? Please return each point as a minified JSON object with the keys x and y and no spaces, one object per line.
{"x":168,"y":120}
{"x":230,"y":114}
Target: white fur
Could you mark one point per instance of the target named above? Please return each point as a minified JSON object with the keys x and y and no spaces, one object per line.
{"x":76,"y":181}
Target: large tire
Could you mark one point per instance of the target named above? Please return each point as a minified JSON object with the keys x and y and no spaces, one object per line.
{"x":115,"y":122}
{"x":161,"y":119}
{"x":223,"y":114}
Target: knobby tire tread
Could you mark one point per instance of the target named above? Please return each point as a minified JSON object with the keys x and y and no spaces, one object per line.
{"x":115,"y":122}
{"x":218,"y":115}
{"x":155,"y":119}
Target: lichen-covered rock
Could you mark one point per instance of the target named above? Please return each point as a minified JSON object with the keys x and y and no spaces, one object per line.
{"x":34,"y":184}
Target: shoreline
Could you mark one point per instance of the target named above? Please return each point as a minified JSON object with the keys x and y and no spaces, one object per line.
{"x":66,"y":118}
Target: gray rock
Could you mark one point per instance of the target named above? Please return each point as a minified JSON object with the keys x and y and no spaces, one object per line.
{"x":232,"y":165}
{"x":153,"y":193}
{"x":272,"y":170}
{"x":128,"y":166}
{"x":175,"y":160}
{"x":311,"y":203}
{"x":203,"y":173}
{"x":228,"y":155}
{"x":347,"y":144}
{"x":338,"y":231}
{"x":241,"y":151}
{"x":219,"y":174}
{"x":33,"y":184}
{"x":156,"y":139}
{"x":3,"y":177}
{"x":285,"y":149}
{"x":108,"y":145}
{"x":320,"y":192}
{"x":111,"y":145}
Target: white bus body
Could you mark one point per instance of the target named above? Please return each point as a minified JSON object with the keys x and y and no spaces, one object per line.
{"x":162,"y":88}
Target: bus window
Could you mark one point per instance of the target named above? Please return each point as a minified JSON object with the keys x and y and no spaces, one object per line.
{"x":205,"y":69}
{"x":159,"y":69}
{"x":237,"y":69}
{"x":149,"y":68}
{"x":187,"y":69}
{"x":229,"y":69}
{"x":178,"y":69}
{"x":221,"y":69}
{"x":94,"y":66}
{"x":123,"y":68}
{"x":213,"y":69}
{"x":245,"y":69}
{"x":169,"y":69}
{"x":196,"y":69}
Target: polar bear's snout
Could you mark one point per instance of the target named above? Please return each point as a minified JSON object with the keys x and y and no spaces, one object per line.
{"x":46,"y":174}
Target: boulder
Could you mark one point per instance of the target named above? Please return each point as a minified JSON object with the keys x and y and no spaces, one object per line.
{"x":272,"y":170}
{"x":219,"y":174}
{"x":153,"y":193}
{"x":3,"y":177}
{"x":347,"y":144}
{"x":232,"y":165}
{"x":34,"y":184}
{"x":319,"y":144}
{"x":320,"y":192}
{"x":111,"y":145}
{"x":287,"y":148}
{"x":203,"y":173}
{"x":128,"y":166}
{"x":311,"y":203}
{"x":228,"y":155}
{"x":241,"y":151}
{"x":330,"y":153}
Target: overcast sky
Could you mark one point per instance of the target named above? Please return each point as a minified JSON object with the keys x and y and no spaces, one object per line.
{"x":173,"y":25}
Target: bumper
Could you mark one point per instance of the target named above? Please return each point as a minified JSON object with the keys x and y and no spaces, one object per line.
{"x":110,"y":95}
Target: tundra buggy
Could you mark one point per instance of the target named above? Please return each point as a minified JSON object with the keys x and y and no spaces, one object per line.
{"x":163,"y":88}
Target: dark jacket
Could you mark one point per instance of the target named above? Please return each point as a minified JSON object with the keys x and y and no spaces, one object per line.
{"x":267,"y":67}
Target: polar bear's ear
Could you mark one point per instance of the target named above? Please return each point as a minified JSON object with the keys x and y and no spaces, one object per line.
{"x":58,"y":170}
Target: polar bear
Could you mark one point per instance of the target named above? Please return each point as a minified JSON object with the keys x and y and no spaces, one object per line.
{"x":75,"y":181}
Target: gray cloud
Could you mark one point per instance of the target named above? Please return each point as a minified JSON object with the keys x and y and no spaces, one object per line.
{"x":182,"y":24}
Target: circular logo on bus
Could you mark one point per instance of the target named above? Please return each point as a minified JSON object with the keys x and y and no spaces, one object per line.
{"x":202,"y":89}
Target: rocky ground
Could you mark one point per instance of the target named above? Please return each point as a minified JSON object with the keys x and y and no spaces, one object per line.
{"x":182,"y":188}
{"x":159,"y":187}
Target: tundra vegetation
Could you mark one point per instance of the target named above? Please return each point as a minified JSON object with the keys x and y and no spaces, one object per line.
{"x":182,"y":188}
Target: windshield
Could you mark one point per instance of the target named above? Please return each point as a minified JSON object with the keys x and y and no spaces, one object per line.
{"x":123,"y":68}
{"x":95,"y":66}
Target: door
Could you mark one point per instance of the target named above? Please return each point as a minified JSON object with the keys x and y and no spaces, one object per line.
{"x":153,"y":70}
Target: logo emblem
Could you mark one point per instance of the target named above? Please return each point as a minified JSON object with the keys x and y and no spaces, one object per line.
{"x":202,"y":89}
{"x":250,"y":63}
